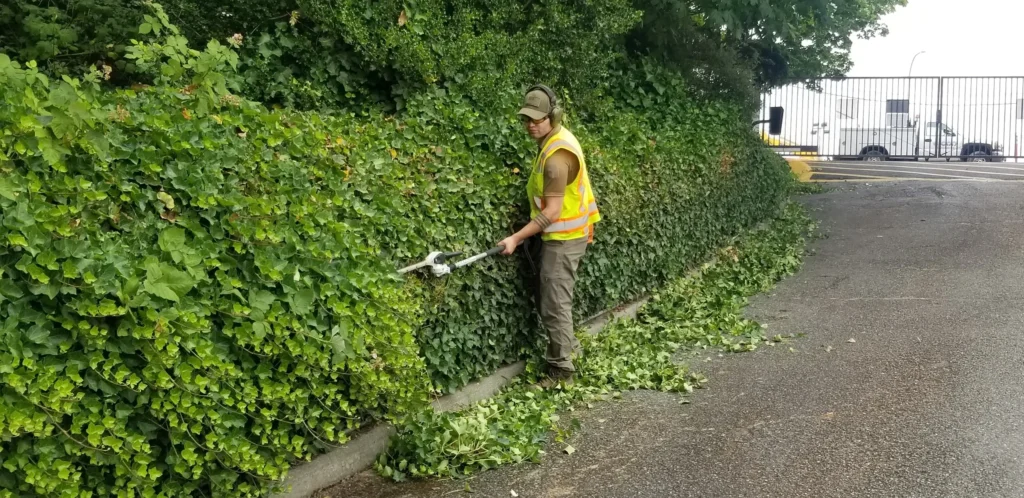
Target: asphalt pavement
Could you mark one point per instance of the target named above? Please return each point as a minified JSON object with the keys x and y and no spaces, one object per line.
{"x":908,"y":382}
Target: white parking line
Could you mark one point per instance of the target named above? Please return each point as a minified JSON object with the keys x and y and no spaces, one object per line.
{"x":914,"y":165}
{"x":960,"y":171}
{"x":911,"y":179}
{"x":897,"y":171}
{"x":848,"y":174}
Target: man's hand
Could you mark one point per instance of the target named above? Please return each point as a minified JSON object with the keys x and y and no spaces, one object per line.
{"x":509,"y":244}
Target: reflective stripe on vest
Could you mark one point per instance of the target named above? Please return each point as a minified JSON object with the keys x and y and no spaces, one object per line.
{"x":582,"y":189}
{"x":574,"y":223}
{"x":560,"y":144}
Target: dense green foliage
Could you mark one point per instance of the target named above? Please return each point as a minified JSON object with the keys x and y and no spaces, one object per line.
{"x":700,"y":311}
{"x":191,"y":295}
{"x":350,"y":53}
{"x":197,"y":290}
{"x":67,"y":36}
{"x":197,"y":247}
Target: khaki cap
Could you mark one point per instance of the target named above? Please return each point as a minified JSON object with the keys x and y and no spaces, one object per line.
{"x":536,"y":105}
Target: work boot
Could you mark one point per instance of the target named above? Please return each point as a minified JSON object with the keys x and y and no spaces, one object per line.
{"x":556,"y":376}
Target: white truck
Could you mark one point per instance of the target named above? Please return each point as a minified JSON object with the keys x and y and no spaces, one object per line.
{"x":900,"y":138}
{"x":912,"y":142}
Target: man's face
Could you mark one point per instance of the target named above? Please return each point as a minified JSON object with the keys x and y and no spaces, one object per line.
{"x":537,"y":129}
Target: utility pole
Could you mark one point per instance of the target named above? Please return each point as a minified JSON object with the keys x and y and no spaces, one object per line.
{"x":912,"y":62}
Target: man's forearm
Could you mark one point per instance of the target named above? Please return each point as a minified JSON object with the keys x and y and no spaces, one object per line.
{"x":551,"y":211}
{"x":533,"y":227}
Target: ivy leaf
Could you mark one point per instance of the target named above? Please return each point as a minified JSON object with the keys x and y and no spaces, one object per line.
{"x":112,"y":442}
{"x":173,"y":241}
{"x":37,"y":334}
{"x":8,"y":189}
{"x":70,"y":269}
{"x":17,"y":240}
{"x":51,"y":152}
{"x":302,"y":301}
{"x":179,"y":281}
{"x":166,"y":198}
{"x":165,"y":281}
{"x":342,"y":349}
{"x":232,"y":419}
{"x":49,"y":290}
{"x":261,"y":300}
{"x":259,"y":330}
{"x":37,"y":273}
{"x":10,"y":290}
{"x":100,"y":142}
{"x":160,"y":289}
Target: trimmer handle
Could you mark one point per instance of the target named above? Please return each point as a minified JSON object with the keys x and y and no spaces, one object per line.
{"x":445,"y":256}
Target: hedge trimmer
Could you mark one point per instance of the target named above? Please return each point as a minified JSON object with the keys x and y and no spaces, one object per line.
{"x":437,"y":261}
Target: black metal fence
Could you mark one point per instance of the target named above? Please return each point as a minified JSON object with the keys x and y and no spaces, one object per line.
{"x":912,"y":118}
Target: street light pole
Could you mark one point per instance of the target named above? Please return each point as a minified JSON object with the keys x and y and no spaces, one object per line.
{"x":912,"y":62}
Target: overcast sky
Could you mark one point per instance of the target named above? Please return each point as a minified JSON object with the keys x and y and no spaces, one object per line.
{"x":961,"y":38}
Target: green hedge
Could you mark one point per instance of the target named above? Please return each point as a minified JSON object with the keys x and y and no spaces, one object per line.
{"x":196,"y":291}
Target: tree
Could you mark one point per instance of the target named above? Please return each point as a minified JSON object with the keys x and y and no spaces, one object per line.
{"x":795,"y":39}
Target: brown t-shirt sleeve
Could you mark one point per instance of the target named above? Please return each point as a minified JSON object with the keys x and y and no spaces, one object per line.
{"x":559,"y":170}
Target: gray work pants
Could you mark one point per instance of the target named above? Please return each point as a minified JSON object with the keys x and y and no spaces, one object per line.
{"x":558,"y":263}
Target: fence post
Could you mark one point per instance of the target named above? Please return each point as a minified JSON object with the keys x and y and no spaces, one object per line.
{"x":938,"y":122}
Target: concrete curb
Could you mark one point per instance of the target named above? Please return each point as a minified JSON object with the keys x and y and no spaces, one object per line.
{"x":358,"y":454}
{"x":332,"y":467}
{"x":480,"y":389}
{"x":598,"y":322}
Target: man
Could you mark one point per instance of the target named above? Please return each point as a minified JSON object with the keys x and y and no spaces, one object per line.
{"x":563,"y":210}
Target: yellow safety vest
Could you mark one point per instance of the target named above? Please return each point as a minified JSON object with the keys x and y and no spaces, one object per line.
{"x":579,"y":207}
